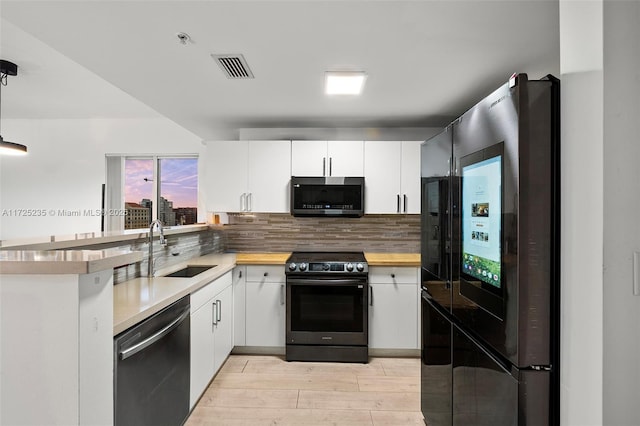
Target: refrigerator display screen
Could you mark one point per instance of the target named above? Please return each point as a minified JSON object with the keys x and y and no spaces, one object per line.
{"x":482,"y":220}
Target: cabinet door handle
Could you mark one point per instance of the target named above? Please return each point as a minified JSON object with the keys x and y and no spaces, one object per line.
{"x":282,"y":294}
{"x":214,"y":314}
{"x":393,"y":275}
{"x":398,"y":203}
{"x":266,"y":274}
{"x":404,"y":196}
{"x":324,"y":166}
{"x":243,"y":202}
{"x":330,"y":166}
{"x":219,"y":310}
{"x":250,"y":201}
{"x":239,"y":274}
{"x":370,"y":296}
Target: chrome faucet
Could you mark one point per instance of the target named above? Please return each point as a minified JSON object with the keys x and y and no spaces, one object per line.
{"x":163,"y":243}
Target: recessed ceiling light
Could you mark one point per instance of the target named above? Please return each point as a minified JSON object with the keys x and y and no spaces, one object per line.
{"x":344,"y":83}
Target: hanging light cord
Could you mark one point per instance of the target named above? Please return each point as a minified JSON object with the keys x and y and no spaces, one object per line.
{"x":3,"y":82}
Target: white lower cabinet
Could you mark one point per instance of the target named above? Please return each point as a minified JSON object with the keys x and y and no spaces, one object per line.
{"x":211,"y":332}
{"x":223,"y":328}
{"x":393,"y":308}
{"x":239,"y":301}
{"x":265,"y":306}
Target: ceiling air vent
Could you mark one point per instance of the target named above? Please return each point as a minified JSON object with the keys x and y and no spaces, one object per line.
{"x":234,"y":66}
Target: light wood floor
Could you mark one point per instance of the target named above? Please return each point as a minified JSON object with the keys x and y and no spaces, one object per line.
{"x":267,"y":390}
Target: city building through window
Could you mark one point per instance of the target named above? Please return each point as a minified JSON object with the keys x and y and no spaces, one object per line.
{"x":160,"y":188}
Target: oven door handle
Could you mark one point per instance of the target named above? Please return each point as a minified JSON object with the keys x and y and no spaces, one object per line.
{"x":339,"y":282}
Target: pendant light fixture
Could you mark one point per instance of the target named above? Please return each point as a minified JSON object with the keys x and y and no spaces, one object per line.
{"x":8,"y":148}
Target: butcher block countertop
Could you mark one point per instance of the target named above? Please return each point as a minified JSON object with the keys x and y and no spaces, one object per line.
{"x":393,"y":259}
{"x":262,"y":258}
{"x":374,"y":259}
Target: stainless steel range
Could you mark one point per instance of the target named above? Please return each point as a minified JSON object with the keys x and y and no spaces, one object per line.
{"x":327,"y":300}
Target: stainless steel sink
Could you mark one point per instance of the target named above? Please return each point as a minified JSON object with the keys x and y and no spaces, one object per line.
{"x":190,"y":271}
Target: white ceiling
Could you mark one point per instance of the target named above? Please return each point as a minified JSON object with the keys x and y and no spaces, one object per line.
{"x":427,"y":61}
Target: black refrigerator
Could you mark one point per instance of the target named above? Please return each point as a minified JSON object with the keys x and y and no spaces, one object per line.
{"x":490,"y":261}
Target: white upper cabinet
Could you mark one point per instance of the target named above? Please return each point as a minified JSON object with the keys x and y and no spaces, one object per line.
{"x":308,"y":158}
{"x":410,"y":176}
{"x":327,"y":158}
{"x":382,"y":176}
{"x":248,"y":176}
{"x":392,"y":176}
{"x":226,"y":175}
{"x":269,"y":176}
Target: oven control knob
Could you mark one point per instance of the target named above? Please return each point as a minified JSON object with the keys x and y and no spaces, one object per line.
{"x":360,"y":267}
{"x":292,"y":266}
{"x":303,"y":266}
{"x":349,"y":267}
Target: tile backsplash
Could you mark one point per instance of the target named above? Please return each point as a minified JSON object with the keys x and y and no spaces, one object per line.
{"x":179,"y":248}
{"x":278,"y":232}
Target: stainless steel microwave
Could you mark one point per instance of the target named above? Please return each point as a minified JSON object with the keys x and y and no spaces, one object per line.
{"x":327,"y":196}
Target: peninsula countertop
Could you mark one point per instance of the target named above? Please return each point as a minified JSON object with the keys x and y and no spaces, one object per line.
{"x":64,"y":261}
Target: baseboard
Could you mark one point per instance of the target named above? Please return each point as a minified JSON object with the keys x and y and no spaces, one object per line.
{"x":280,"y":350}
{"x":403,"y":353}
{"x":258,"y":350}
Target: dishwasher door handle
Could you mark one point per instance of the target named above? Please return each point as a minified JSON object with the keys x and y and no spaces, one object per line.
{"x":157,"y":336}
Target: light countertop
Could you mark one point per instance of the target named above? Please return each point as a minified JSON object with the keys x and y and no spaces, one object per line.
{"x":64,"y":261}
{"x":139,"y":298}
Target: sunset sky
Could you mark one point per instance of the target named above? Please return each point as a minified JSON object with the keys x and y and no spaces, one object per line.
{"x":178,"y":180}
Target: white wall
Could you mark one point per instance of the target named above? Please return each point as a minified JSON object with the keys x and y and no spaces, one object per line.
{"x":65,"y":168}
{"x":582,"y":212}
{"x":600,"y":72}
{"x":621,"y":211}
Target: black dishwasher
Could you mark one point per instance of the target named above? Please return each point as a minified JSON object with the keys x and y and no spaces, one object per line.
{"x":151,"y":369}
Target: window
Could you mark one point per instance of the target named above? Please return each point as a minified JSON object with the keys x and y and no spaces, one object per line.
{"x":152,"y":187}
{"x":178,"y":191}
{"x":138,"y":192}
